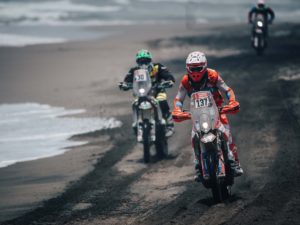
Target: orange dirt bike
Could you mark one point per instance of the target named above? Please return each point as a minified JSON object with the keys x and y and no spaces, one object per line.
{"x":209,"y":144}
{"x":147,"y":115}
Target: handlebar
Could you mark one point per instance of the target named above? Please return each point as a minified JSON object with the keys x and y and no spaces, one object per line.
{"x":125,"y":86}
{"x":226,"y":109}
{"x":163,"y":85}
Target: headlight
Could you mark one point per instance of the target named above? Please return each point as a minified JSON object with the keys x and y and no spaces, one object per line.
{"x":260,"y":24}
{"x":142,"y":91}
{"x":205,"y":125}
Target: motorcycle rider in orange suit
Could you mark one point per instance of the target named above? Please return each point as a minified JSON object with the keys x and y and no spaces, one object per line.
{"x":198,"y":78}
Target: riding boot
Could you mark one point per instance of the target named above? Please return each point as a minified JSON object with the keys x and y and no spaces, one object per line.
{"x":198,"y":173}
{"x":134,"y":128}
{"x":169,"y":126}
{"x":165,"y":109}
{"x":234,"y":161}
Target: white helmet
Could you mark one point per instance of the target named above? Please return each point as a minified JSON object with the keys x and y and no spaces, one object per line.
{"x":196,"y":65}
{"x":260,"y":2}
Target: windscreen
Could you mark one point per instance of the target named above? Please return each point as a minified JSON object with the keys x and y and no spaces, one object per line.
{"x":203,"y":109}
{"x":141,"y":82}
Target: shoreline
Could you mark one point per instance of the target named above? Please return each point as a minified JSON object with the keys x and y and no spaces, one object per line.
{"x":33,"y":182}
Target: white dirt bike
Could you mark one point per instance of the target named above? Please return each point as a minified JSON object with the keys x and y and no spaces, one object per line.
{"x":151,"y":126}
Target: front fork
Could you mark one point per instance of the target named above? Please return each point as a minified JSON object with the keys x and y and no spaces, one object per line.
{"x":152,"y":114}
{"x":202,"y":152}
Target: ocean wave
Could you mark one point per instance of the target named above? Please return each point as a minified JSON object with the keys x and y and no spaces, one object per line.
{"x":31,"y":131}
{"x":80,"y":23}
{"x":48,"y":12}
{"x":222,"y":2}
{"x":15,"y":40}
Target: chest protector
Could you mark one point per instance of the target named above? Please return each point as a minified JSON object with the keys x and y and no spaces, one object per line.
{"x":208,"y":83}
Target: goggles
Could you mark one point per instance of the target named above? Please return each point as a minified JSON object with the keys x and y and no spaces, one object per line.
{"x":142,"y":61}
{"x":196,"y":68}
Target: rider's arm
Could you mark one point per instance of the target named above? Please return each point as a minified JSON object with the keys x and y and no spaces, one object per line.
{"x":222,"y":86}
{"x":129,"y":76}
{"x":233,"y":106}
{"x":164,"y":73}
{"x":181,"y":94}
{"x":250,"y":14}
{"x":272,"y":14}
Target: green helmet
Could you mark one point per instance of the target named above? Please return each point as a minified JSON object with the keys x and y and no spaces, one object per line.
{"x":143,"y":57}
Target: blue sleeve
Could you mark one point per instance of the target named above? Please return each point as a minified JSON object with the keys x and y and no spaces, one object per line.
{"x":228,"y":95}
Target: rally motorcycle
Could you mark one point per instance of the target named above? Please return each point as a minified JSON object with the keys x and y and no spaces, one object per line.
{"x":151,"y":126}
{"x":209,"y":144}
{"x":259,"y":36}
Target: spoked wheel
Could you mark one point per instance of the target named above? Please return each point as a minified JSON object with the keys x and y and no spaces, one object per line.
{"x":219,"y":187}
{"x":260,"y":51}
{"x":216,"y":190}
{"x":146,"y":141}
{"x":261,"y":46}
{"x":220,"y":190}
{"x":161,"y":143}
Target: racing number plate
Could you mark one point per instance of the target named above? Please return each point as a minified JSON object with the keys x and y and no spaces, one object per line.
{"x":140,"y":77}
{"x":200,"y":99}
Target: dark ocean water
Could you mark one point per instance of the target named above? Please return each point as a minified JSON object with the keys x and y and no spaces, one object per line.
{"x":43,"y":21}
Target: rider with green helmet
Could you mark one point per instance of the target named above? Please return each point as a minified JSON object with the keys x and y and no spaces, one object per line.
{"x":158,"y":73}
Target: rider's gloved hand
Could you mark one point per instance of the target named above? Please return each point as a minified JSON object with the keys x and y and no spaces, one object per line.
{"x":233,"y":107}
{"x":178,"y":115}
{"x":123,"y":86}
{"x":170,"y":83}
{"x":120,"y":85}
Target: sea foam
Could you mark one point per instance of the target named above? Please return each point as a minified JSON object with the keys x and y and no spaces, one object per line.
{"x":31,"y":131}
{"x":17,"y":40}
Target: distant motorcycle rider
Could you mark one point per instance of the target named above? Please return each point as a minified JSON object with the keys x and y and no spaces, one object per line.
{"x":261,"y":10}
{"x":158,"y":73}
{"x":200,"y":78}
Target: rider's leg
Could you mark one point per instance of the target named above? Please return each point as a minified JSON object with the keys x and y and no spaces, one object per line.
{"x":165,"y":109}
{"x":232,"y":149}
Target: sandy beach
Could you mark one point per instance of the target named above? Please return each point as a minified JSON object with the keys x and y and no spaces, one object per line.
{"x":72,"y":75}
{"x":105,"y":181}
